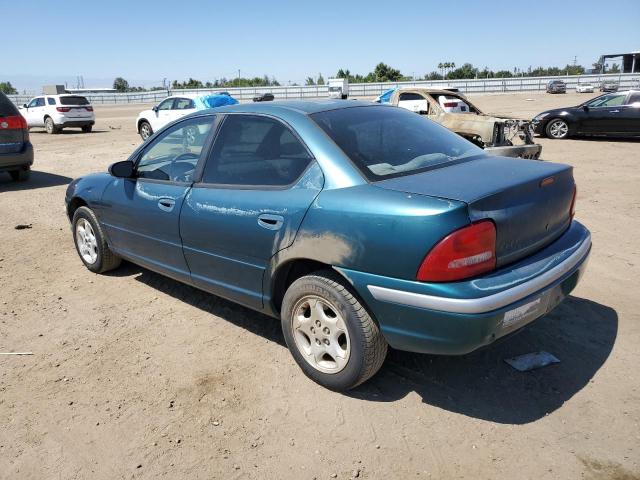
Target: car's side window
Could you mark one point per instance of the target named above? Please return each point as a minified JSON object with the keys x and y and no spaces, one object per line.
{"x":183,"y":104}
{"x":253,"y":150}
{"x":174,"y":155}
{"x":166,"y":104}
{"x":634,"y":98}
{"x":51,"y":101}
{"x":32,"y":103}
{"x":410,"y":96}
{"x":613,"y":100}
{"x":40,"y":102}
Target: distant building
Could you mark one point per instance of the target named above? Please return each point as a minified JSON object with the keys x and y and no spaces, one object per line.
{"x":629,"y":62}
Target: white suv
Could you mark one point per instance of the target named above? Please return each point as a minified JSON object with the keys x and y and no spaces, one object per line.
{"x":55,"y":112}
{"x":168,"y":110}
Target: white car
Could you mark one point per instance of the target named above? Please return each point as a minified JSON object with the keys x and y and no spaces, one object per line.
{"x":584,"y":88}
{"x":55,"y":112}
{"x":168,"y":110}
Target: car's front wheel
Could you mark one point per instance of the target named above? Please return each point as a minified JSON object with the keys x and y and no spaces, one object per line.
{"x":557,"y":128}
{"x":91,"y":243}
{"x":330,"y":334}
{"x":145,"y":130}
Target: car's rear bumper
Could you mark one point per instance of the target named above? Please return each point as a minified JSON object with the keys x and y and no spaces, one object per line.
{"x":459,"y":317}
{"x":76,"y":123}
{"x":531,"y":151}
{"x":17,"y":161}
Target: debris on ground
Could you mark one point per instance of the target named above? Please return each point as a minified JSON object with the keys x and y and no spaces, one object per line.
{"x":531,"y":361}
{"x":23,"y":226}
{"x":16,"y":353}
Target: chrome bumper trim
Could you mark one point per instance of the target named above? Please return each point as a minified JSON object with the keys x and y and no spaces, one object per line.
{"x":490,"y":302}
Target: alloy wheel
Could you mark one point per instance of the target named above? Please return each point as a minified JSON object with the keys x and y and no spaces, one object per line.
{"x":320,"y":334}
{"x":558,"y":129}
{"x":86,"y":241}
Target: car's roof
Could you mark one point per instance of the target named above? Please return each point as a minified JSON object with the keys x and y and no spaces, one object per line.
{"x":306,"y":107}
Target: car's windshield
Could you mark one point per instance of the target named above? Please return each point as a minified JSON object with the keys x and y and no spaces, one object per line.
{"x":73,"y":100}
{"x":388,"y":141}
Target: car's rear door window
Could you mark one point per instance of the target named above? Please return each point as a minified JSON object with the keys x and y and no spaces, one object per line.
{"x":7,"y":108}
{"x":51,"y":100}
{"x":73,"y":100}
{"x":183,"y":104}
{"x":253,"y":150}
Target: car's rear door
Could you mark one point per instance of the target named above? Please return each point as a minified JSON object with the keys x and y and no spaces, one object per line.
{"x":602,"y":115}
{"x":163,"y":114}
{"x":182,"y":107}
{"x":255,"y":188}
{"x":141,"y":215}
{"x":627,"y":118}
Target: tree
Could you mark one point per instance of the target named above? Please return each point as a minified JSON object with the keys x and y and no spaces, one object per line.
{"x":121,"y":85}
{"x":433,"y":76}
{"x":320,"y":80}
{"x":309,"y":81}
{"x":465,"y":71}
{"x":7,"y":88}
{"x":615,"y":68}
{"x":384,"y":73}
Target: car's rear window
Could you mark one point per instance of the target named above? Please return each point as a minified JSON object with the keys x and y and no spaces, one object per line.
{"x":385,"y":141}
{"x":6,"y":107}
{"x":74,"y":100}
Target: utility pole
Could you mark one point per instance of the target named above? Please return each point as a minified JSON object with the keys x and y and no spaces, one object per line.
{"x":238,"y":77}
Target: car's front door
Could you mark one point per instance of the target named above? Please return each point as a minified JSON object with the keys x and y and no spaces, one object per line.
{"x":601,"y":115}
{"x":163,"y":114}
{"x":256,"y":186}
{"x":141,"y":215}
{"x":34,"y":113}
{"x":627,"y":117}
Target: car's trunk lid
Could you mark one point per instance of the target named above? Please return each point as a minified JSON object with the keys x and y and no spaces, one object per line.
{"x":529,"y":201}
{"x":11,"y":138}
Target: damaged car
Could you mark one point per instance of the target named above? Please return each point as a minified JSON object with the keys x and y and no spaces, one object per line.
{"x":496,"y":134}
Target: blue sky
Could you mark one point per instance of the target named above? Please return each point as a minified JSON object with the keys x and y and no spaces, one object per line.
{"x":54,"y":41}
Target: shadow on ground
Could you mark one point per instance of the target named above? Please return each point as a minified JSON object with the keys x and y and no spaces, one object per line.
{"x":36,"y":180}
{"x":581,"y":333}
{"x":67,"y":131}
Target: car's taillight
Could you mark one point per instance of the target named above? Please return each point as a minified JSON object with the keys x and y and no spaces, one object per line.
{"x":63,"y":109}
{"x":464,"y":253}
{"x":14,"y":122}
{"x":450,"y":104}
{"x":89,"y":108}
{"x":572,"y":209}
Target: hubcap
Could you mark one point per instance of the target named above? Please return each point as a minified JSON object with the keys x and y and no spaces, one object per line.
{"x":146,"y":131}
{"x":320,"y":334}
{"x":190,"y":135}
{"x":86,"y":241}
{"x":558,"y":129}
{"x":49,"y":125}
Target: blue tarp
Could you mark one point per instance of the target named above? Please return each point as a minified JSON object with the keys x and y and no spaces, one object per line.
{"x":386,"y":96}
{"x":212,"y":101}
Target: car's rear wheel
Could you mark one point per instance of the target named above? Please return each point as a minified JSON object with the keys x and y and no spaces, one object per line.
{"x":50,"y":126}
{"x":20,"y":175}
{"x":91,"y":243}
{"x":557,"y":128}
{"x":87,"y":129}
{"x":145,"y":130}
{"x":330,"y":334}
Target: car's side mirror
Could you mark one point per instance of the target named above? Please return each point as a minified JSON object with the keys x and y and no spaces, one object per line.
{"x":155,"y":108}
{"x":122,"y":169}
{"x":24,"y":105}
{"x":585,"y":108}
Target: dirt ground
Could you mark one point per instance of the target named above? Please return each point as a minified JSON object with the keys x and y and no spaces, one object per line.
{"x":136,"y":376}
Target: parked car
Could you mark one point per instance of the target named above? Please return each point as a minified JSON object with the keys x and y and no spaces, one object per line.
{"x":16,"y":151}
{"x":609,"y":86}
{"x":584,"y":88}
{"x":56,"y":112}
{"x":358,"y":225}
{"x":614,"y":114}
{"x":264,"y":97}
{"x":177,"y":106}
{"x":497,"y":134}
{"x":556,"y":86}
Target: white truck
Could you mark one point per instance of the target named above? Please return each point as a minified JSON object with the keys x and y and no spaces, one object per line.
{"x":338,"y":88}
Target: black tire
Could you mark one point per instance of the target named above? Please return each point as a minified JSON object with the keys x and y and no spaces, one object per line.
{"x":87,"y":128}
{"x":557,"y":129}
{"x":367,"y":346}
{"x":106,"y":260}
{"x":145,"y":130}
{"x":51,"y":127}
{"x":20,"y":175}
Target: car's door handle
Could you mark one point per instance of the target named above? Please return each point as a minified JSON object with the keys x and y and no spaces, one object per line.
{"x":166,"y":204}
{"x":614,"y":111}
{"x":270,"y":222}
